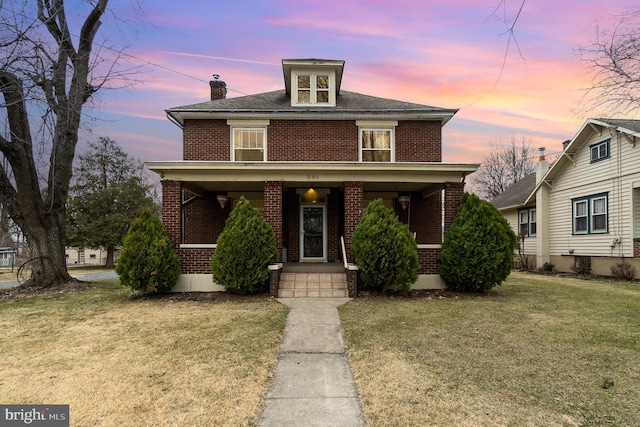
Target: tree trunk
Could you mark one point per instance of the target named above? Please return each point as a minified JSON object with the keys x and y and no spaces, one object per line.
{"x":47,"y":258}
{"x":109,"y":263}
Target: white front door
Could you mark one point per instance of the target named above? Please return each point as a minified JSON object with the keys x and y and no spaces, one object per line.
{"x":313,"y":233}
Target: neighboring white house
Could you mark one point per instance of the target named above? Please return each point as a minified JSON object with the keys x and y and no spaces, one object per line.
{"x":587,"y":203}
{"x":87,"y":256}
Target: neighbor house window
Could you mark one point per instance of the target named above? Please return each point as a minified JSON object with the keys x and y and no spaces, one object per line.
{"x":590,"y":214}
{"x":600,"y":150}
{"x":376,"y":145}
{"x":313,"y":89}
{"x":527,"y":222}
{"x":249,"y":144}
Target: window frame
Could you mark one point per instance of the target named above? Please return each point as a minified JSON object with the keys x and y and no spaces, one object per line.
{"x":392,"y":145}
{"x":248,"y":128}
{"x":530,"y":223}
{"x":606,"y":144}
{"x":590,"y":214}
{"x":313,"y":89}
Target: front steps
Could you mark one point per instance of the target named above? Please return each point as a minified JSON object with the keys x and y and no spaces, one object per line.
{"x":313,"y":285}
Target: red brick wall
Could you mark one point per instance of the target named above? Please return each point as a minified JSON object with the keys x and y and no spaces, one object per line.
{"x":418,"y":141}
{"x":171,"y":204}
{"x":195,"y":261}
{"x":273,"y":210}
{"x":353,"y":192}
{"x":636,"y":249}
{"x":335,"y":220}
{"x":292,"y":214}
{"x":206,"y":140}
{"x":453,"y":192}
{"x":204,"y":219}
{"x":312,"y":141}
{"x":428,"y":259}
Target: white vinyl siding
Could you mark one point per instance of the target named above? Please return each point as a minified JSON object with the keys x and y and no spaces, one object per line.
{"x":513,"y":217}
{"x":615,"y":178}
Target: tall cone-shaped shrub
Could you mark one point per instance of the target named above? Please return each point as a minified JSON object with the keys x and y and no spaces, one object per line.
{"x":148,"y":263}
{"x":477,"y":250}
{"x":386,"y":252}
{"x":245,"y":248}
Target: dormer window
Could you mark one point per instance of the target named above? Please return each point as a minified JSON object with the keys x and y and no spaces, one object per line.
{"x":313,"y":89}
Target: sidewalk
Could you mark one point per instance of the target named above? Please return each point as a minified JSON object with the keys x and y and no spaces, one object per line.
{"x":313,"y":385}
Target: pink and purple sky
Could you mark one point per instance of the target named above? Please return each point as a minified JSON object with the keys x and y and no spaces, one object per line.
{"x":450,"y":54}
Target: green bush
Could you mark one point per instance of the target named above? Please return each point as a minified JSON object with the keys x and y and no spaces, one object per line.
{"x":386,"y":252}
{"x":477,"y":250}
{"x":148,"y":263}
{"x":246,"y":247}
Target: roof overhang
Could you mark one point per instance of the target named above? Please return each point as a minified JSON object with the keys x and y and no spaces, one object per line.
{"x":337,"y":66}
{"x":201,"y":176}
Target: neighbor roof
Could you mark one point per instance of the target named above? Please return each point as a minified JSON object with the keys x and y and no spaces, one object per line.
{"x":517,"y":194}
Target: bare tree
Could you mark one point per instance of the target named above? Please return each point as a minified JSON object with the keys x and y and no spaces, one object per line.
{"x":47,"y":76}
{"x":613,"y":61}
{"x":504,"y":166}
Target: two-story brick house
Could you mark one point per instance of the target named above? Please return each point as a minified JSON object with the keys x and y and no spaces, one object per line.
{"x":310,"y":157}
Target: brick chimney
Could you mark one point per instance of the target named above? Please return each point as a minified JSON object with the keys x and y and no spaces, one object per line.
{"x":218,"y":88}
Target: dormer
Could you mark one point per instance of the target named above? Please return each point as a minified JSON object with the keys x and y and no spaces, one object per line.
{"x":312,"y":82}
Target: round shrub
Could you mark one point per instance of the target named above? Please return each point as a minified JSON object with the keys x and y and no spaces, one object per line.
{"x":386,"y":252}
{"x":148,"y":263}
{"x":477,"y":250}
{"x":245,"y":248}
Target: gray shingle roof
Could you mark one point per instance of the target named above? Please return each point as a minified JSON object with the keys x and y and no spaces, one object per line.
{"x":632,"y":125}
{"x":517,"y":194}
{"x":279,"y":101}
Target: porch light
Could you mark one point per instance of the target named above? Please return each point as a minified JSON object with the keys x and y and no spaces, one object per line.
{"x":404,"y":201}
{"x":311,"y":195}
{"x":222,"y":199}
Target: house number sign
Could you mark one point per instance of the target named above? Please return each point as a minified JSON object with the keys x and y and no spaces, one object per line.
{"x":312,"y":177}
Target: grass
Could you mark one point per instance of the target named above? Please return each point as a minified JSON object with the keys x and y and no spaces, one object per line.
{"x":119,"y":361}
{"x":538,"y":350}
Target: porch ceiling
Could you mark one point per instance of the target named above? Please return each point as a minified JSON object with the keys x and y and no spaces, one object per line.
{"x":221,"y":176}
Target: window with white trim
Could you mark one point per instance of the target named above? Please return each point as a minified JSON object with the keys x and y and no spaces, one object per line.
{"x":600,"y":150}
{"x":313,"y":89}
{"x":249,"y":144}
{"x":376,"y":145}
{"x":590,"y":214}
{"x":527,"y":222}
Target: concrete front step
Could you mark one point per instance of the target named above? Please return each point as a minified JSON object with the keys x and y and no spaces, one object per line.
{"x":313,"y":285}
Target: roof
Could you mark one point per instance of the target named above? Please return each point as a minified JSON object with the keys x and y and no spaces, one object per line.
{"x":629,"y":128}
{"x":517,"y":194}
{"x":277,"y":104}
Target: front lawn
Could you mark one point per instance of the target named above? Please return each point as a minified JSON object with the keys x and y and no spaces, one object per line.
{"x":119,"y":361}
{"x":538,"y":350}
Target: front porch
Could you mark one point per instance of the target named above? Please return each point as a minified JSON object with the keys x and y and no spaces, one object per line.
{"x":310,"y":207}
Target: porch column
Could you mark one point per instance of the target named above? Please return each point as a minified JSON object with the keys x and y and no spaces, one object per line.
{"x":353,"y":192}
{"x":453,"y":192}
{"x":273,"y":210}
{"x":171,"y":209}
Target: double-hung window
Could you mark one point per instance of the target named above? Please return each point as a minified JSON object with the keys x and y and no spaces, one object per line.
{"x":600,"y":150}
{"x":527,"y":222}
{"x":249,"y":144}
{"x":313,"y":89}
{"x":590,"y":214}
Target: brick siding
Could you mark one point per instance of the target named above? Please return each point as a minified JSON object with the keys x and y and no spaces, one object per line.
{"x":418,"y":141}
{"x":195,"y":261}
{"x":453,"y":192}
{"x":353,"y":192}
{"x":204,"y":219}
{"x":312,"y":141}
{"x":636,"y":248}
{"x":171,"y":203}
{"x":428,"y":259}
{"x":273,"y":210}
{"x":206,"y":140}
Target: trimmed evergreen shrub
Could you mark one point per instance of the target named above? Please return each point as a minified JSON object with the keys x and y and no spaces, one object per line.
{"x":148,"y":263}
{"x":386,"y":252}
{"x":477,"y":250}
{"x":246,"y":247}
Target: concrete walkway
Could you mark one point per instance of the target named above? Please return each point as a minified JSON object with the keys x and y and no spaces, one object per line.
{"x":313,"y":385}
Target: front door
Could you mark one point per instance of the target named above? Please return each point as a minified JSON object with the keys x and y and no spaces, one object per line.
{"x":313,"y":233}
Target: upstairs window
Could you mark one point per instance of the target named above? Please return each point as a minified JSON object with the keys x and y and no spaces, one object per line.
{"x":313,"y":89}
{"x":249,"y":145}
{"x":590,"y":214}
{"x":599,"y":151}
{"x":376,"y":145}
